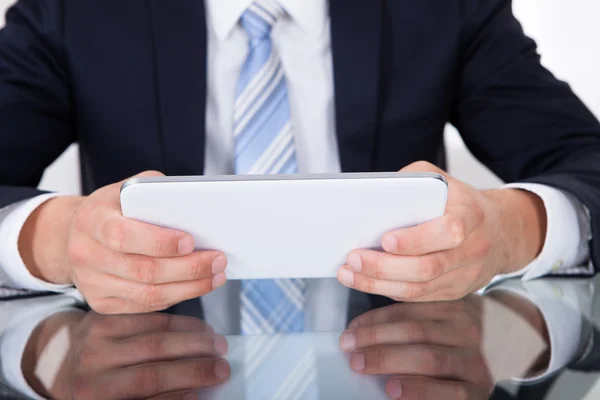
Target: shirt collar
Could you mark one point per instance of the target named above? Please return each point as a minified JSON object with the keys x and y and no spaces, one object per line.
{"x":310,"y":15}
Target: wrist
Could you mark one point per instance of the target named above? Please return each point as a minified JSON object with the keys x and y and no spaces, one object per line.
{"x":530,"y":313}
{"x":522,"y":216}
{"x":43,"y":239}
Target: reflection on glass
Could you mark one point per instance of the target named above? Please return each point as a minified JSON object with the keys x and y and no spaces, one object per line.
{"x":459,"y":349}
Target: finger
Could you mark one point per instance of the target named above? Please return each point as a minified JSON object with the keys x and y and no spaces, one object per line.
{"x":149,"y":270}
{"x":447,"y":232}
{"x":424,"y":166}
{"x":437,"y":312}
{"x":120,"y":327}
{"x":178,"y":395}
{"x":401,"y":333}
{"x":421,"y":388}
{"x":150,"y":297}
{"x":386,"y":266}
{"x":163,"y":346}
{"x":397,"y":290}
{"x":164,"y":377}
{"x":111,"y":193}
{"x":425,"y":360}
{"x":125,"y":235}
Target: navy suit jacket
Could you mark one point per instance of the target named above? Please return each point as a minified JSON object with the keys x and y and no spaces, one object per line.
{"x":127,"y":81}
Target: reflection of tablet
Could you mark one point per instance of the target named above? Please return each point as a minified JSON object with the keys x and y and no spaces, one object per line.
{"x":281,"y":366}
{"x":286,"y":226}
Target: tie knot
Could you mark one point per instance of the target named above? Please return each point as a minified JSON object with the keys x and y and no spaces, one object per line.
{"x":260,"y":17}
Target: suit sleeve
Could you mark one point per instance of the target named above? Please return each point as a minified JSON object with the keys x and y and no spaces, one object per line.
{"x":517,"y":118}
{"x":35,"y":98}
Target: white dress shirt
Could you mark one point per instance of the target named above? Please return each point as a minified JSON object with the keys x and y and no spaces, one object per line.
{"x":303,"y":41}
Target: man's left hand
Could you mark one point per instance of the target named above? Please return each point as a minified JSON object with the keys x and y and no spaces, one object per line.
{"x":482,"y":234}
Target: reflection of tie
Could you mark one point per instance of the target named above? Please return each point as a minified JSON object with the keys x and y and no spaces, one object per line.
{"x":264,"y":144}
{"x":280,"y":368}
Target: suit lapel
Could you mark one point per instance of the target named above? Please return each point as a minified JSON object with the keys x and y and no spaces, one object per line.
{"x":180,"y":41}
{"x":356,"y":27}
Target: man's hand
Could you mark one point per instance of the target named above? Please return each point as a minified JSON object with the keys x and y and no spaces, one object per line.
{"x":156,"y":356}
{"x":119,"y":265}
{"x":447,"y":350}
{"x":481,"y":235}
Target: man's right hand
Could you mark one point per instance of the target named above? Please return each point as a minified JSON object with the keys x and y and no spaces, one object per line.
{"x":120,"y":265}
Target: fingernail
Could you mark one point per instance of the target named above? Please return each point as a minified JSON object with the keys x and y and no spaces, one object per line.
{"x":220,"y":344}
{"x":219,"y":264}
{"x":191,"y":396}
{"x":390,"y":243}
{"x":348,"y":341}
{"x":357,"y":362}
{"x":221,"y":369}
{"x":394,"y":389}
{"x":355,"y":262}
{"x":185,"y":245}
{"x":219,"y":280}
{"x":346,"y":277}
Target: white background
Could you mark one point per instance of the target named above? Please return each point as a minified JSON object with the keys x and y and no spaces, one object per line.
{"x":568,"y":35}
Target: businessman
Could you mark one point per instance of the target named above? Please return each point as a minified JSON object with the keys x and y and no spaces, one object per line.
{"x":222,"y":87}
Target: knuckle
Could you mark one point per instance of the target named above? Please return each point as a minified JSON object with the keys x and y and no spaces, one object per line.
{"x":197,"y":268}
{"x":416,"y":244}
{"x":381,"y":359}
{"x":379,"y":270}
{"x":457,"y":230}
{"x":415,"y":290}
{"x":368,"y":334}
{"x":161,"y":244}
{"x":432,"y":267}
{"x":151,"y":296}
{"x":202,"y":287}
{"x":114,"y":233}
{"x":415,"y":332}
{"x":201,"y":372}
{"x":370,"y":285}
{"x":434,"y":361}
{"x":153,"y":344}
{"x":145,"y":270}
{"x":148,"y":378}
{"x":420,"y":390}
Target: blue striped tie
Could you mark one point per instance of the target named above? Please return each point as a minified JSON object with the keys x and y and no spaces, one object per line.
{"x":264,"y":144}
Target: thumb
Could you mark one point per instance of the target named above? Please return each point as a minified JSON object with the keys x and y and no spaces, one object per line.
{"x":424,"y":166}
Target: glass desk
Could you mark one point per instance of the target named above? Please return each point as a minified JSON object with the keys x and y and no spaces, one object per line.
{"x":517,"y":340}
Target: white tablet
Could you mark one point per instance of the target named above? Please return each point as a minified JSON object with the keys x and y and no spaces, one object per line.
{"x":286,"y":226}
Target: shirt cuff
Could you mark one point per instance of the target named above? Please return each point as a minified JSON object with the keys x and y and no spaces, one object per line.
{"x":567,"y":234}
{"x":561,"y":309}
{"x":14,"y":340}
{"x":13,"y":272}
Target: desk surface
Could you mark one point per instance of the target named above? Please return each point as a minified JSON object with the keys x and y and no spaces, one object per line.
{"x":477,"y":346}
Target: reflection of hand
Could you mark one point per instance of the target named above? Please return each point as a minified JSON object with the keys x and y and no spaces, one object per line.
{"x":482,"y":234}
{"x":121,"y":266}
{"x":138,"y":356}
{"x":430,"y":350}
